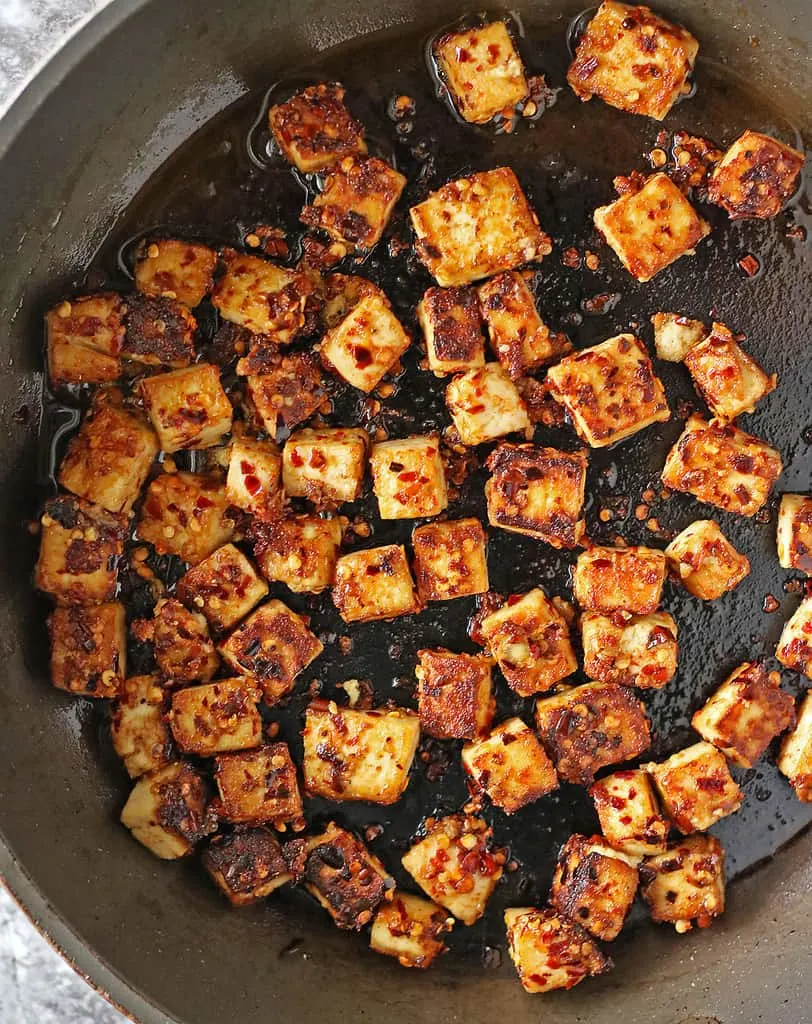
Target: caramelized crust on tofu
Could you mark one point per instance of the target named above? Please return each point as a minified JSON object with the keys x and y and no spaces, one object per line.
{"x":585,"y":728}
{"x":651,"y":228}
{"x":485,"y":405}
{"x":519,"y":338}
{"x":366,"y":344}
{"x":158,"y":332}
{"x":88,"y":649}
{"x":168,"y":811}
{"x":246,"y":866}
{"x":594,"y":885}
{"x":262,"y":297}
{"x":454,"y":693}
{"x":188,"y":408}
{"x":314,"y":129}
{"x":476,"y":227}
{"x":729,"y":380}
{"x":300,"y":551}
{"x":216,"y":718}
{"x":638,"y":650}
{"x":84,"y":340}
{"x":184,"y":650}
{"x":794,"y":534}
{"x":287,"y":392}
{"x":259,"y":786}
{"x":451,"y":324}
{"x":410,"y":929}
{"x":628,"y":813}
{"x":549,"y":951}
{"x":723,"y":466}
{"x":686,"y":883}
{"x":675,"y":335}
{"x":745,"y":714}
{"x":409,"y":478}
{"x":139,"y":733}
{"x":755,"y":177}
{"x":633,"y":60}
{"x":609,"y":390}
{"x":538,"y":491}
{"x":326,"y":466}
{"x":629,"y":579}
{"x":224,"y":587}
{"x":174,"y":269}
{"x":450,"y":559}
{"x":795,"y":757}
{"x":705,"y":561}
{"x":795,"y":645}
{"x":341,"y":293}
{"x":695,"y":787}
{"x":510,"y":766}
{"x":375,"y":584}
{"x":185,"y":514}
{"x":254,"y":481}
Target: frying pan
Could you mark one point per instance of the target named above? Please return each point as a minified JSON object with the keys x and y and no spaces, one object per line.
{"x":75,"y":150}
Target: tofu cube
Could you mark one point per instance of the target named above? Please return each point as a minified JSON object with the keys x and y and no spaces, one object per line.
{"x":375,"y":584}
{"x":594,"y":885}
{"x":287,"y":392}
{"x":140,"y":735}
{"x":485,"y":405}
{"x":795,"y":644}
{"x":455,"y":865}
{"x":84,"y":339}
{"x":729,"y":380}
{"x":366,"y":344}
{"x":158,"y":332}
{"x":638,"y":650}
{"x":410,"y":929}
{"x":299,"y":551}
{"x":794,"y":534}
{"x":633,"y":60}
{"x":628,"y":579}
{"x":585,"y":728}
{"x":262,"y":297}
{"x":409,"y":478}
{"x":358,"y":755}
{"x":341,"y":293}
{"x":184,"y":650}
{"x":509,"y":765}
{"x":519,"y":338}
{"x":258,"y":787}
{"x":326,"y":466}
{"x":188,"y":408}
{"x":651,"y":228}
{"x":454,"y":693}
{"x":314,"y":129}
{"x":745,"y":714}
{"x":224,"y":587}
{"x":755,"y":177}
{"x":185,"y":514}
{"x":246,"y":866}
{"x":168,"y":811}
{"x":675,"y":335}
{"x":452,"y":327}
{"x":549,"y":951}
{"x":254,"y":481}
{"x":216,"y":718}
{"x":450,"y":559}
{"x":538,"y":492}
{"x":695,"y":787}
{"x":609,"y":390}
{"x":88,"y":649}
{"x":530,"y":639}
{"x":795,"y":757}
{"x":686,"y":883}
{"x":723,"y":466}
{"x":628,"y":813}
{"x":172,"y":268}
{"x":704,"y":560}
{"x":476,"y":227}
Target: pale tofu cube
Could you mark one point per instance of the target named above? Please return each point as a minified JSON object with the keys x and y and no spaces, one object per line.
{"x":695,"y":787}
{"x":519,"y":338}
{"x":729,"y":380}
{"x":183,"y":647}
{"x":185,"y":514}
{"x":628,"y":812}
{"x":216,"y":718}
{"x":635,"y":650}
{"x":299,"y":551}
{"x":628,"y":579}
{"x":188,"y":408}
{"x":452,"y":326}
{"x":314,"y":129}
{"x":549,"y":951}
{"x":410,"y":929}
{"x":509,"y":766}
{"x":486,"y":405}
{"x":258,"y":787}
{"x":246,"y":866}
{"x":675,"y":335}
{"x":88,"y":649}
{"x":224,"y":587}
{"x":84,"y":340}
{"x":794,"y":648}
{"x":366,"y":344}
{"x":755,"y":177}
{"x":794,"y":533}
{"x":476,"y":227}
{"x":454,"y":694}
{"x":450,"y":559}
{"x":254,"y":481}
{"x":594,"y":885}
{"x":158,"y":332}
{"x":175,"y":269}
{"x":327,"y":465}
{"x":409,"y":478}
{"x":795,"y":757}
{"x":704,"y":560}
{"x":686,"y":883}
{"x":375,"y":584}
{"x":139,"y":733}
{"x":287,"y":392}
{"x":262,"y":297}
{"x":168,"y":811}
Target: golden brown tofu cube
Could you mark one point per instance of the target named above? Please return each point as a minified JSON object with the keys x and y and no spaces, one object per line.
{"x":755,"y":177}
{"x":366,"y":344}
{"x":476,"y":227}
{"x":84,"y":340}
{"x":705,"y":561}
{"x":794,"y":533}
{"x":686,"y":883}
{"x":633,"y":60}
{"x":723,"y":466}
{"x":628,"y":812}
{"x":538,"y":492}
{"x":729,"y":380}
{"x":530,"y":639}
{"x":88,"y":649}
{"x":795,"y":757}
{"x":140,"y":735}
{"x":168,"y":811}
{"x":510,"y":766}
{"x":358,"y":755}
{"x":594,"y":885}
{"x":158,"y":332}
{"x":610,"y":580}
{"x":246,"y":866}
{"x":455,"y":865}
{"x":485,"y":405}
{"x":375,"y":584}
{"x":184,"y":650}
{"x":519,"y":338}
{"x":452,"y":327}
{"x":175,"y":269}
{"x":609,"y":390}
{"x":224,"y":587}
{"x":675,"y":335}
{"x":185,"y":514}
{"x":695,"y":787}
{"x":745,"y":714}
{"x":254,"y":481}
{"x":188,"y":408}
{"x":450,"y":559}
{"x":262,"y":297}
{"x":634,"y":650}
{"x":217,"y":718}
{"x":287,"y":392}
{"x":259,"y":786}
{"x":314,"y":129}
{"x":409,"y":478}
{"x":651,"y":228}
{"x":549,"y":951}
{"x":327,"y":465}
{"x":410,"y":929}
{"x":585,"y":728}
{"x":795,"y":644}
{"x":341,"y":293}
{"x":454,"y":693}
{"x":300,"y":551}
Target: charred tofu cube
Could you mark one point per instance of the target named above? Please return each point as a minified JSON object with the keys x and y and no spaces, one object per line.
{"x":510,"y":766}
{"x":140,"y":735}
{"x":326,"y":466}
{"x":357,"y":201}
{"x":409,"y":478}
{"x":485,"y":405}
{"x":675,"y":335}
{"x":454,"y":693}
{"x":704,"y":560}
{"x":755,"y":177}
{"x":634,"y":650}
{"x":729,"y":380}
{"x":723,"y":466}
{"x":84,"y":340}
{"x":539,"y":492}
{"x":456,"y":866}
{"x":594,"y":885}
{"x":300,"y":551}
{"x":88,"y":649}
{"x":519,"y":338}
{"x":549,"y":951}
{"x":184,"y":650}
{"x":108,"y":460}
{"x":314,"y":129}
{"x":366,"y":344}
{"x":686,"y":883}
{"x":651,"y":228}
{"x":450,"y":559}
{"x":188,"y":408}
{"x":745,"y":714}
{"x":246,"y":866}
{"x":610,"y":390}
{"x":216,"y":718}
{"x":375,"y":584}
{"x":158,"y":332}
{"x":585,"y":728}
{"x":633,"y":60}
{"x":171,"y":268}
{"x":628,"y":812}
{"x":451,"y":324}
{"x":628,"y":579}
{"x":79,"y":551}
{"x":530,"y":639}
{"x":258,"y":787}
{"x":262,"y":297}
{"x":287,"y":392}
{"x":224,"y":587}
{"x":794,"y":535}
{"x":795,"y":757}
{"x":410,"y":929}
{"x":358,"y":755}
{"x":185,"y":514}
{"x":168,"y":811}
{"x":795,"y":644}
{"x":483,"y":71}
{"x":254,"y":481}
{"x":695,"y":787}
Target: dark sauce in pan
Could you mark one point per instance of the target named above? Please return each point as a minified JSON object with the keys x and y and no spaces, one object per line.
{"x":228,"y":178}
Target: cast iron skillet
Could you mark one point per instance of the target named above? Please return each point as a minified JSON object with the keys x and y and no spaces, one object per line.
{"x":74,"y":151}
